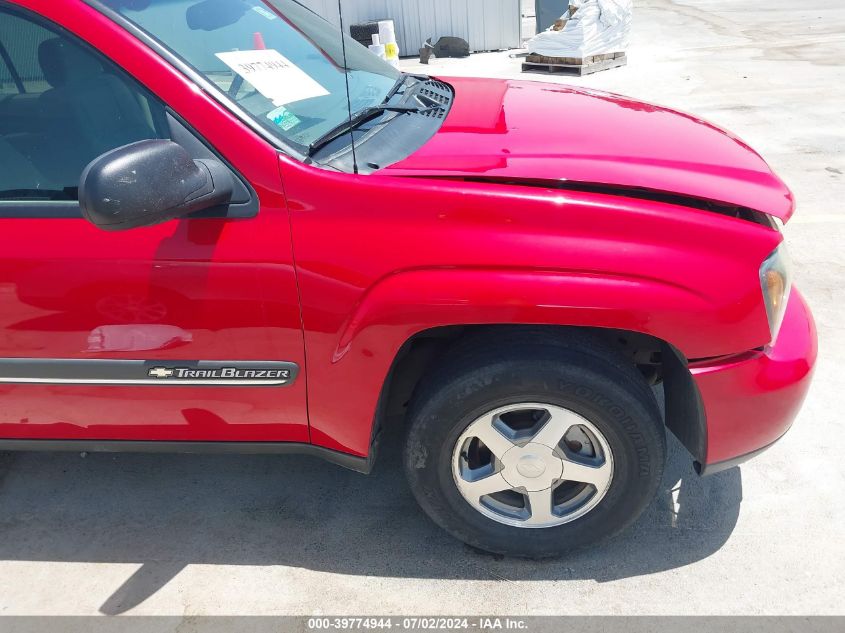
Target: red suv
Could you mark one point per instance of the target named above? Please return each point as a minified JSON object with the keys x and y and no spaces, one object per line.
{"x":227,"y":228}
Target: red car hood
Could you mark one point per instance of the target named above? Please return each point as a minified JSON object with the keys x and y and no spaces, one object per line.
{"x":500,"y":129}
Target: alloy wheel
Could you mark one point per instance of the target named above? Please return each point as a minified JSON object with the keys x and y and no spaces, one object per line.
{"x":532,"y":465}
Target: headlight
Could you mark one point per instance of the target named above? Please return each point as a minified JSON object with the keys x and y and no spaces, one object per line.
{"x":776,"y":281}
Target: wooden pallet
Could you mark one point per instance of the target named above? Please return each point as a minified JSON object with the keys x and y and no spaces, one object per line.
{"x":573,"y":65}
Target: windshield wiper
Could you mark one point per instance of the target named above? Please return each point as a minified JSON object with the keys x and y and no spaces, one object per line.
{"x":403,"y":77}
{"x":362,"y":116}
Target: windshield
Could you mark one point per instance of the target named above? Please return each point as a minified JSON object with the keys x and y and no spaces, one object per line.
{"x":277,"y":60}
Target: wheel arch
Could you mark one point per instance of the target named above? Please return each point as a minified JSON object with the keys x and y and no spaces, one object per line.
{"x":658,"y":361}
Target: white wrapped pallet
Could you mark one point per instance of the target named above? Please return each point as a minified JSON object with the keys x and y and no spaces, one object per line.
{"x":596,"y":27}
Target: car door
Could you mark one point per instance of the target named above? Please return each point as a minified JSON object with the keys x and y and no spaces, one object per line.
{"x":188,"y":330}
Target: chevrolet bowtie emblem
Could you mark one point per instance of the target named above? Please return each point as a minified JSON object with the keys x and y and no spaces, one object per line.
{"x":161,"y":372}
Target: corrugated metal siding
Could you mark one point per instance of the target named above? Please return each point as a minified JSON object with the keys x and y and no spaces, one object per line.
{"x":487,"y":25}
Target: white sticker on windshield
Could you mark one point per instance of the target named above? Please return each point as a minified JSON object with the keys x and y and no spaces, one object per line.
{"x":273,"y":75}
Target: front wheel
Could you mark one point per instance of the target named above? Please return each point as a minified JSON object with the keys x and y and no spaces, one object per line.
{"x":537,"y":450}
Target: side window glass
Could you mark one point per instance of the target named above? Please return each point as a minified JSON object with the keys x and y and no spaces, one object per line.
{"x":62,"y":104}
{"x":7,"y":82}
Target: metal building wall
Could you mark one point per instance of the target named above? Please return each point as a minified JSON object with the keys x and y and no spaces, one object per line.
{"x":486,"y":24}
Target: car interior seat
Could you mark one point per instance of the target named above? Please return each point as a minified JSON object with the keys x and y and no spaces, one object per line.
{"x":85,"y":112}
{"x":94,"y":110}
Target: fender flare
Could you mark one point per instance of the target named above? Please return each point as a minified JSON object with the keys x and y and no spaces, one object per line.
{"x":406,"y":303}
{"x":416,"y":300}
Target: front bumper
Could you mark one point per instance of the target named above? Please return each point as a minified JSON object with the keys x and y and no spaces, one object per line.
{"x":751,"y":399}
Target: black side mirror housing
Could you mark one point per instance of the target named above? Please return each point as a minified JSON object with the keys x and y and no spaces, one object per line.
{"x":148,"y":182}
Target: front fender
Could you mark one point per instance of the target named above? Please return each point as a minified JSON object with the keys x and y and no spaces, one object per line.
{"x":380,"y":259}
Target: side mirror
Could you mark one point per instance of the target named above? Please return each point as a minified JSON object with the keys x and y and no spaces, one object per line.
{"x":148,"y":182}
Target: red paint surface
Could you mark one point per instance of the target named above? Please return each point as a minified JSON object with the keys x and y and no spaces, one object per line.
{"x":751,"y":401}
{"x":376,"y":259}
{"x":520,"y":129}
{"x":229,"y":285}
{"x":381,"y":258}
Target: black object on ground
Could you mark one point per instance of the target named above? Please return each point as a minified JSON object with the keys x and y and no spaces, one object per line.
{"x":426,"y":51}
{"x":363,"y":32}
{"x":451,"y":47}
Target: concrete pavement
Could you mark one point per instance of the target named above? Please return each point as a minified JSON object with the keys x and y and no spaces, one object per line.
{"x":186,"y":535}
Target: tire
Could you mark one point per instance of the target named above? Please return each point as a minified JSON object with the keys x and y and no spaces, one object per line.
{"x":532,"y":378}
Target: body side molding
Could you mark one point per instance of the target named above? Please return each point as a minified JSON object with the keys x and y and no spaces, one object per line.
{"x":213,"y":373}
